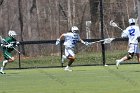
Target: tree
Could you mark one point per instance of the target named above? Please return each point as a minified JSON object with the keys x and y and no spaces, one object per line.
{"x":138,"y":4}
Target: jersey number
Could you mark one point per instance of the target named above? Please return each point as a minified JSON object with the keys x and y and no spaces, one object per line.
{"x":74,"y":42}
{"x":131,"y":32}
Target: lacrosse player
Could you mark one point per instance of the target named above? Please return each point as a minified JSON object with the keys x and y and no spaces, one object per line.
{"x":8,"y":45}
{"x":71,"y":39}
{"x":132,"y":32}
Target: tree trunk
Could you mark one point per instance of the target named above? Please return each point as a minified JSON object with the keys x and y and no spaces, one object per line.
{"x":138,"y":2}
{"x":69,"y":14}
{"x":21,"y":23}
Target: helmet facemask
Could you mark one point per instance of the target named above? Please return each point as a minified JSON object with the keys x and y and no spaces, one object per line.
{"x":75,"y":29}
{"x":131,"y":21}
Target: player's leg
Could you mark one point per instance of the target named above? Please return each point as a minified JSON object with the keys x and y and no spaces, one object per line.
{"x":138,"y":57}
{"x":127,"y":57}
{"x":7,"y":58}
{"x":3,"y":66}
{"x":138,"y":54}
{"x":131,"y":51}
{"x":71,"y":56}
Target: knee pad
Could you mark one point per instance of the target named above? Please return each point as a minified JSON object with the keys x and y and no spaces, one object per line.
{"x":130,"y":56}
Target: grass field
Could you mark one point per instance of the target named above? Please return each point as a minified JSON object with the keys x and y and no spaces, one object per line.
{"x":83,"y":79}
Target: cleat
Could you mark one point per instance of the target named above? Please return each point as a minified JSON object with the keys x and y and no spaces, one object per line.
{"x":105,"y":65}
{"x":1,"y":72}
{"x":117,"y":63}
{"x":67,"y":69}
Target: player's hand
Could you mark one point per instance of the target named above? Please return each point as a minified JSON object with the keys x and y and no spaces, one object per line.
{"x":86,"y":43}
{"x":9,"y":45}
{"x":2,"y":45}
{"x":17,"y":43}
{"x":57,"y":41}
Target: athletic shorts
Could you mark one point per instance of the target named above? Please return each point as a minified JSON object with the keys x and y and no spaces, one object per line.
{"x":69,"y":51}
{"x":133,"y":48}
{"x":7,"y":55}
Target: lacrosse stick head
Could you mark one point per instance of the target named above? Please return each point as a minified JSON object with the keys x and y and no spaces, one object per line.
{"x":108,"y":40}
{"x":112,"y":23}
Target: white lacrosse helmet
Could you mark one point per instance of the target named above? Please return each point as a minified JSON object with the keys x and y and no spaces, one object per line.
{"x":131,"y":20}
{"x":74,"y":29}
{"x":11,"y":33}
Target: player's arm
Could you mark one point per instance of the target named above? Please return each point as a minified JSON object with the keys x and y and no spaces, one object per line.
{"x":82,"y":41}
{"x":58,"y":40}
{"x":124,"y":34}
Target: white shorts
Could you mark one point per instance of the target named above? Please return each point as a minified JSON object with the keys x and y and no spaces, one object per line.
{"x":69,"y":51}
{"x":133,"y":48}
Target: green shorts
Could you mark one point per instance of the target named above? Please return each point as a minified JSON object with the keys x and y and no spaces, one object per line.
{"x":7,"y":55}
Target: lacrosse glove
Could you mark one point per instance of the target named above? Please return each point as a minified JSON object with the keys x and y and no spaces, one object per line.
{"x":9,"y":45}
{"x":57,"y":41}
{"x":86,"y":43}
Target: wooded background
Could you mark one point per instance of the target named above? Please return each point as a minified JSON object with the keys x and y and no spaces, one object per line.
{"x":48,"y":19}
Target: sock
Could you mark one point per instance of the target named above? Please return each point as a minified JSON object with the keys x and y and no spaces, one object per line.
{"x":4,"y":63}
{"x":1,"y":69}
{"x":121,"y":60}
{"x":67,"y":66}
{"x":64,"y":57}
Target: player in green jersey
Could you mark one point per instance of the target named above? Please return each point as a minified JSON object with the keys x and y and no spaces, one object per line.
{"x":8,"y":45}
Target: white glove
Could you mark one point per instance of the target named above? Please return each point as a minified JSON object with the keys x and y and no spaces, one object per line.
{"x":86,"y":43}
{"x":17,"y":43}
{"x":2,"y":45}
{"x":9,"y":45}
{"x":123,"y":35}
{"x":57,"y":41}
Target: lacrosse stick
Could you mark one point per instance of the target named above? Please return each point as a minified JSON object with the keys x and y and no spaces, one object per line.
{"x":112,"y":23}
{"x":3,"y":40}
{"x":106,"y":41}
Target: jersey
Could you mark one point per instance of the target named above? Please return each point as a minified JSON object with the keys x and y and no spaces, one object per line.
{"x":71,"y":39}
{"x":132,"y":32}
{"x":7,"y":51}
{"x":10,"y":40}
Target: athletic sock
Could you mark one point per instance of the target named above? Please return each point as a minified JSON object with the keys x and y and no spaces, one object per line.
{"x":1,"y":70}
{"x":64,"y":57}
{"x":4,"y":63}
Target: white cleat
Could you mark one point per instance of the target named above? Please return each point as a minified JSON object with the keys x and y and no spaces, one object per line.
{"x":67,"y":69}
{"x":1,"y":72}
{"x":117,"y":63}
{"x":105,"y":65}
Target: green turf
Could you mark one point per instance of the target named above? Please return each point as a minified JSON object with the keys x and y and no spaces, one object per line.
{"x":83,"y":79}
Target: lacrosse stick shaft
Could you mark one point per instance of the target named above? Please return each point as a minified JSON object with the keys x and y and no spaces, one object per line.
{"x":119,"y":28}
{"x":106,"y":40}
{"x":97,"y":41}
{"x":16,"y":50}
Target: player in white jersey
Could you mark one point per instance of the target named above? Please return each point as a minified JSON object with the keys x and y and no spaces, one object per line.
{"x":71,"y":39}
{"x":132,"y":32}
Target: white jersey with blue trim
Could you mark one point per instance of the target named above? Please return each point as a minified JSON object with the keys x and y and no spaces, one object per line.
{"x":71,"y":39}
{"x":132,"y":32}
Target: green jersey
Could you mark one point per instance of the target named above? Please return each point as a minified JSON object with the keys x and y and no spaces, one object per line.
{"x":7,"y":50}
